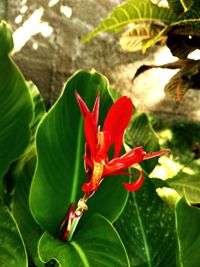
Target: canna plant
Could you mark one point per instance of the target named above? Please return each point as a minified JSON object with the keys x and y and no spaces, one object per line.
{"x":58,"y":206}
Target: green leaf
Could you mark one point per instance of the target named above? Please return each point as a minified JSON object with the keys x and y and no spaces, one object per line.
{"x":96,"y":244}
{"x":6,"y":44}
{"x":30,"y":230}
{"x":178,"y":6}
{"x":12,"y":250}
{"x":141,"y":133}
{"x":133,"y":11}
{"x":187,"y":227}
{"x":147,"y":229}
{"x":191,"y":17}
{"x":133,"y":39}
{"x":39,"y":107}
{"x":160,"y":36}
{"x":60,"y":171}
{"x":15,"y":105}
{"x":187,"y":185}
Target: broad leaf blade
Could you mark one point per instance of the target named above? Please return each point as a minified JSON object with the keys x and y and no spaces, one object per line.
{"x":187,"y":185}
{"x":96,"y":244}
{"x":147,"y":229}
{"x":39,"y":107}
{"x":12,"y":250}
{"x":15,"y":105}
{"x":60,"y":147}
{"x":141,"y":133}
{"x":130,"y":12}
{"x":30,"y":230}
{"x":187,"y":227}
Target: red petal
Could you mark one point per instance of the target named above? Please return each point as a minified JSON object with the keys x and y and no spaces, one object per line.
{"x":135,"y":155}
{"x":90,"y":133}
{"x":89,"y":187}
{"x":136,"y":184}
{"x":156,"y":154}
{"x":117,"y":120}
{"x":83,"y":107}
{"x":103,"y":146}
{"x":95,"y":111}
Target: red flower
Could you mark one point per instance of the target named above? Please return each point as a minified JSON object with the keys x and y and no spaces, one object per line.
{"x":98,"y":143}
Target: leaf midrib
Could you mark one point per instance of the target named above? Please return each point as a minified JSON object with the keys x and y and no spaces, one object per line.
{"x":77,"y":165}
{"x":81,"y":253}
{"x":142,"y":231}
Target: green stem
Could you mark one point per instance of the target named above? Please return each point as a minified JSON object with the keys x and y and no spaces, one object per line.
{"x":184,"y":5}
{"x":73,"y":227}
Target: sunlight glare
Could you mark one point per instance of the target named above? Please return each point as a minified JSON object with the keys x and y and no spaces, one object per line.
{"x":66,"y":10}
{"x":194,"y":55}
{"x":30,"y":27}
{"x":53,"y":3}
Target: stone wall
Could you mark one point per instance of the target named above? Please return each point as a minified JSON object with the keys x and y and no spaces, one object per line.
{"x":53,"y":51}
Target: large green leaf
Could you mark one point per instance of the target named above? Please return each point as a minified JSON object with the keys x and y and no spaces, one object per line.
{"x":30,"y":230}
{"x":15,"y":105}
{"x":96,"y":244}
{"x":12,"y":250}
{"x":187,"y":227}
{"x":133,"y":11}
{"x":187,"y":185}
{"x":147,"y":229}
{"x":141,"y":133}
{"x":60,"y":171}
{"x":39,"y":107}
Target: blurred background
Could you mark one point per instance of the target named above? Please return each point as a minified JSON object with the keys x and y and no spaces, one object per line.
{"x":48,"y":49}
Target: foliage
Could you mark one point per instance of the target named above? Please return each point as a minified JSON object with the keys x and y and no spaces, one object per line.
{"x":42,"y":171}
{"x":145,"y":23}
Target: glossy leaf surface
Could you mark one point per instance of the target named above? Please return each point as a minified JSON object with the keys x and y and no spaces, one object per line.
{"x":60,"y":147}
{"x":38,"y":105}
{"x":187,"y":228}
{"x":96,"y":244}
{"x":187,"y":185}
{"x":147,"y":229}
{"x":30,"y":230}
{"x":12,"y":251}
{"x":141,"y":133}
{"x":15,"y":105}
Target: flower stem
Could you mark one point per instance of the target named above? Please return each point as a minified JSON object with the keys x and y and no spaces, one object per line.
{"x":73,"y":227}
{"x":73,"y":218}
